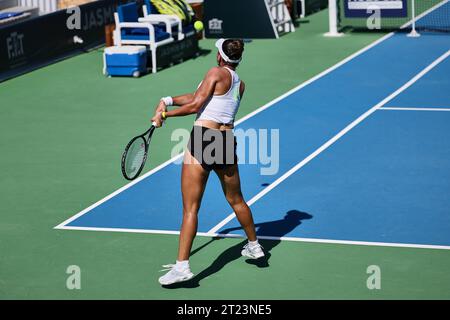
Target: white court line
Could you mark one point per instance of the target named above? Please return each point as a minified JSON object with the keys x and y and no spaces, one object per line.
{"x":415,"y":109}
{"x":79,"y":214}
{"x":294,"y":239}
{"x":248,"y":116}
{"x":334,"y":139}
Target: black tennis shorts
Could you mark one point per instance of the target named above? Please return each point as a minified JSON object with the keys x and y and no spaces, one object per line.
{"x":213,"y":149}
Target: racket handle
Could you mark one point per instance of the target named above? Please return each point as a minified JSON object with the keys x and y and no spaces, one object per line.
{"x":154,"y":123}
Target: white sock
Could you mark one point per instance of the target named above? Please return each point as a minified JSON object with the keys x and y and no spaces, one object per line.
{"x":253,"y":243}
{"x":182,"y":265}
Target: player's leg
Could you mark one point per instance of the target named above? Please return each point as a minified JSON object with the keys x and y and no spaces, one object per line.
{"x":193,"y":182}
{"x":231,"y":185}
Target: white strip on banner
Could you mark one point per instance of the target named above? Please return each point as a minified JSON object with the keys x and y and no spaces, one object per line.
{"x":369,"y":4}
{"x":45,"y":6}
{"x":42,"y":6}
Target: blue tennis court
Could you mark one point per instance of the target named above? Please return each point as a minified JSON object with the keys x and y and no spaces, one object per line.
{"x":365,"y":161}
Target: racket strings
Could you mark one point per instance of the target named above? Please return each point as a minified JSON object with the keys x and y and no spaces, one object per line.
{"x":135,"y":157}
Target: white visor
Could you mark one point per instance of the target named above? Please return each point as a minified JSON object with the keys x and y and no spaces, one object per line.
{"x":219,"y":45}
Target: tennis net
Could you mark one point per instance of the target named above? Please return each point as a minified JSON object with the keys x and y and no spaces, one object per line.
{"x":428,"y":15}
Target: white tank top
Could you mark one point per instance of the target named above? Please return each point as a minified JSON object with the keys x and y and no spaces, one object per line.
{"x":223,"y":108}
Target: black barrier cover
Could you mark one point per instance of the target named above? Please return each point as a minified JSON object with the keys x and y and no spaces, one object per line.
{"x":237,"y":19}
{"x":41,"y":40}
{"x":312,"y":6}
{"x":176,"y":51}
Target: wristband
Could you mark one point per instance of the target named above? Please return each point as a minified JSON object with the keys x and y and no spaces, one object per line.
{"x":168,"y":101}
{"x":163,"y":115}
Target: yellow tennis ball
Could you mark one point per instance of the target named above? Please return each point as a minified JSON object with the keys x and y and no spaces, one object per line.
{"x":198,"y":25}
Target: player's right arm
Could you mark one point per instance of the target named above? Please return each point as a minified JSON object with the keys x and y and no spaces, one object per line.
{"x":204,"y":91}
{"x":177,"y":101}
{"x":184,"y":99}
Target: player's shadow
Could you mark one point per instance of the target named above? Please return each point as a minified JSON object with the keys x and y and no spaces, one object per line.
{"x":275,"y":229}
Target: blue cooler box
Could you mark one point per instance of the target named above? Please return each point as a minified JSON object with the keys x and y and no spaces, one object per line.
{"x":125,"y":61}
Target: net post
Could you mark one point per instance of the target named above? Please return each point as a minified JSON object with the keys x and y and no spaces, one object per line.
{"x":413,"y":33}
{"x":332,"y":14}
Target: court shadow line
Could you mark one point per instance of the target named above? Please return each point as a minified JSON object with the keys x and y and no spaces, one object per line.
{"x":275,"y":228}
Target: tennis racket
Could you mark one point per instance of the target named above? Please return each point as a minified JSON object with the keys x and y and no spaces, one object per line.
{"x":135,"y":154}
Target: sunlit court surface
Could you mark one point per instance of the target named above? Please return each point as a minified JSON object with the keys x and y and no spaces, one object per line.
{"x":342,"y":143}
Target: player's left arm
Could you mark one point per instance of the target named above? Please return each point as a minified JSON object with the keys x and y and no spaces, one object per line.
{"x":241,"y":89}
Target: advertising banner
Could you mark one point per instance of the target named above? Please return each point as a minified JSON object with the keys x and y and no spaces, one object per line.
{"x":43,"y":39}
{"x":237,"y":19}
{"x":365,"y":8}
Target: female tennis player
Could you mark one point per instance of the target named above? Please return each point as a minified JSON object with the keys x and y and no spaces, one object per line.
{"x":211,"y":147}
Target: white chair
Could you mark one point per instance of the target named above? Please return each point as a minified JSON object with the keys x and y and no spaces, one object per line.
{"x":169,"y":19}
{"x":131,"y":32}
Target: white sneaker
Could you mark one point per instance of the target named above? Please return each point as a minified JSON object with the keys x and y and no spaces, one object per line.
{"x":174,"y":276}
{"x":253,"y":252}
